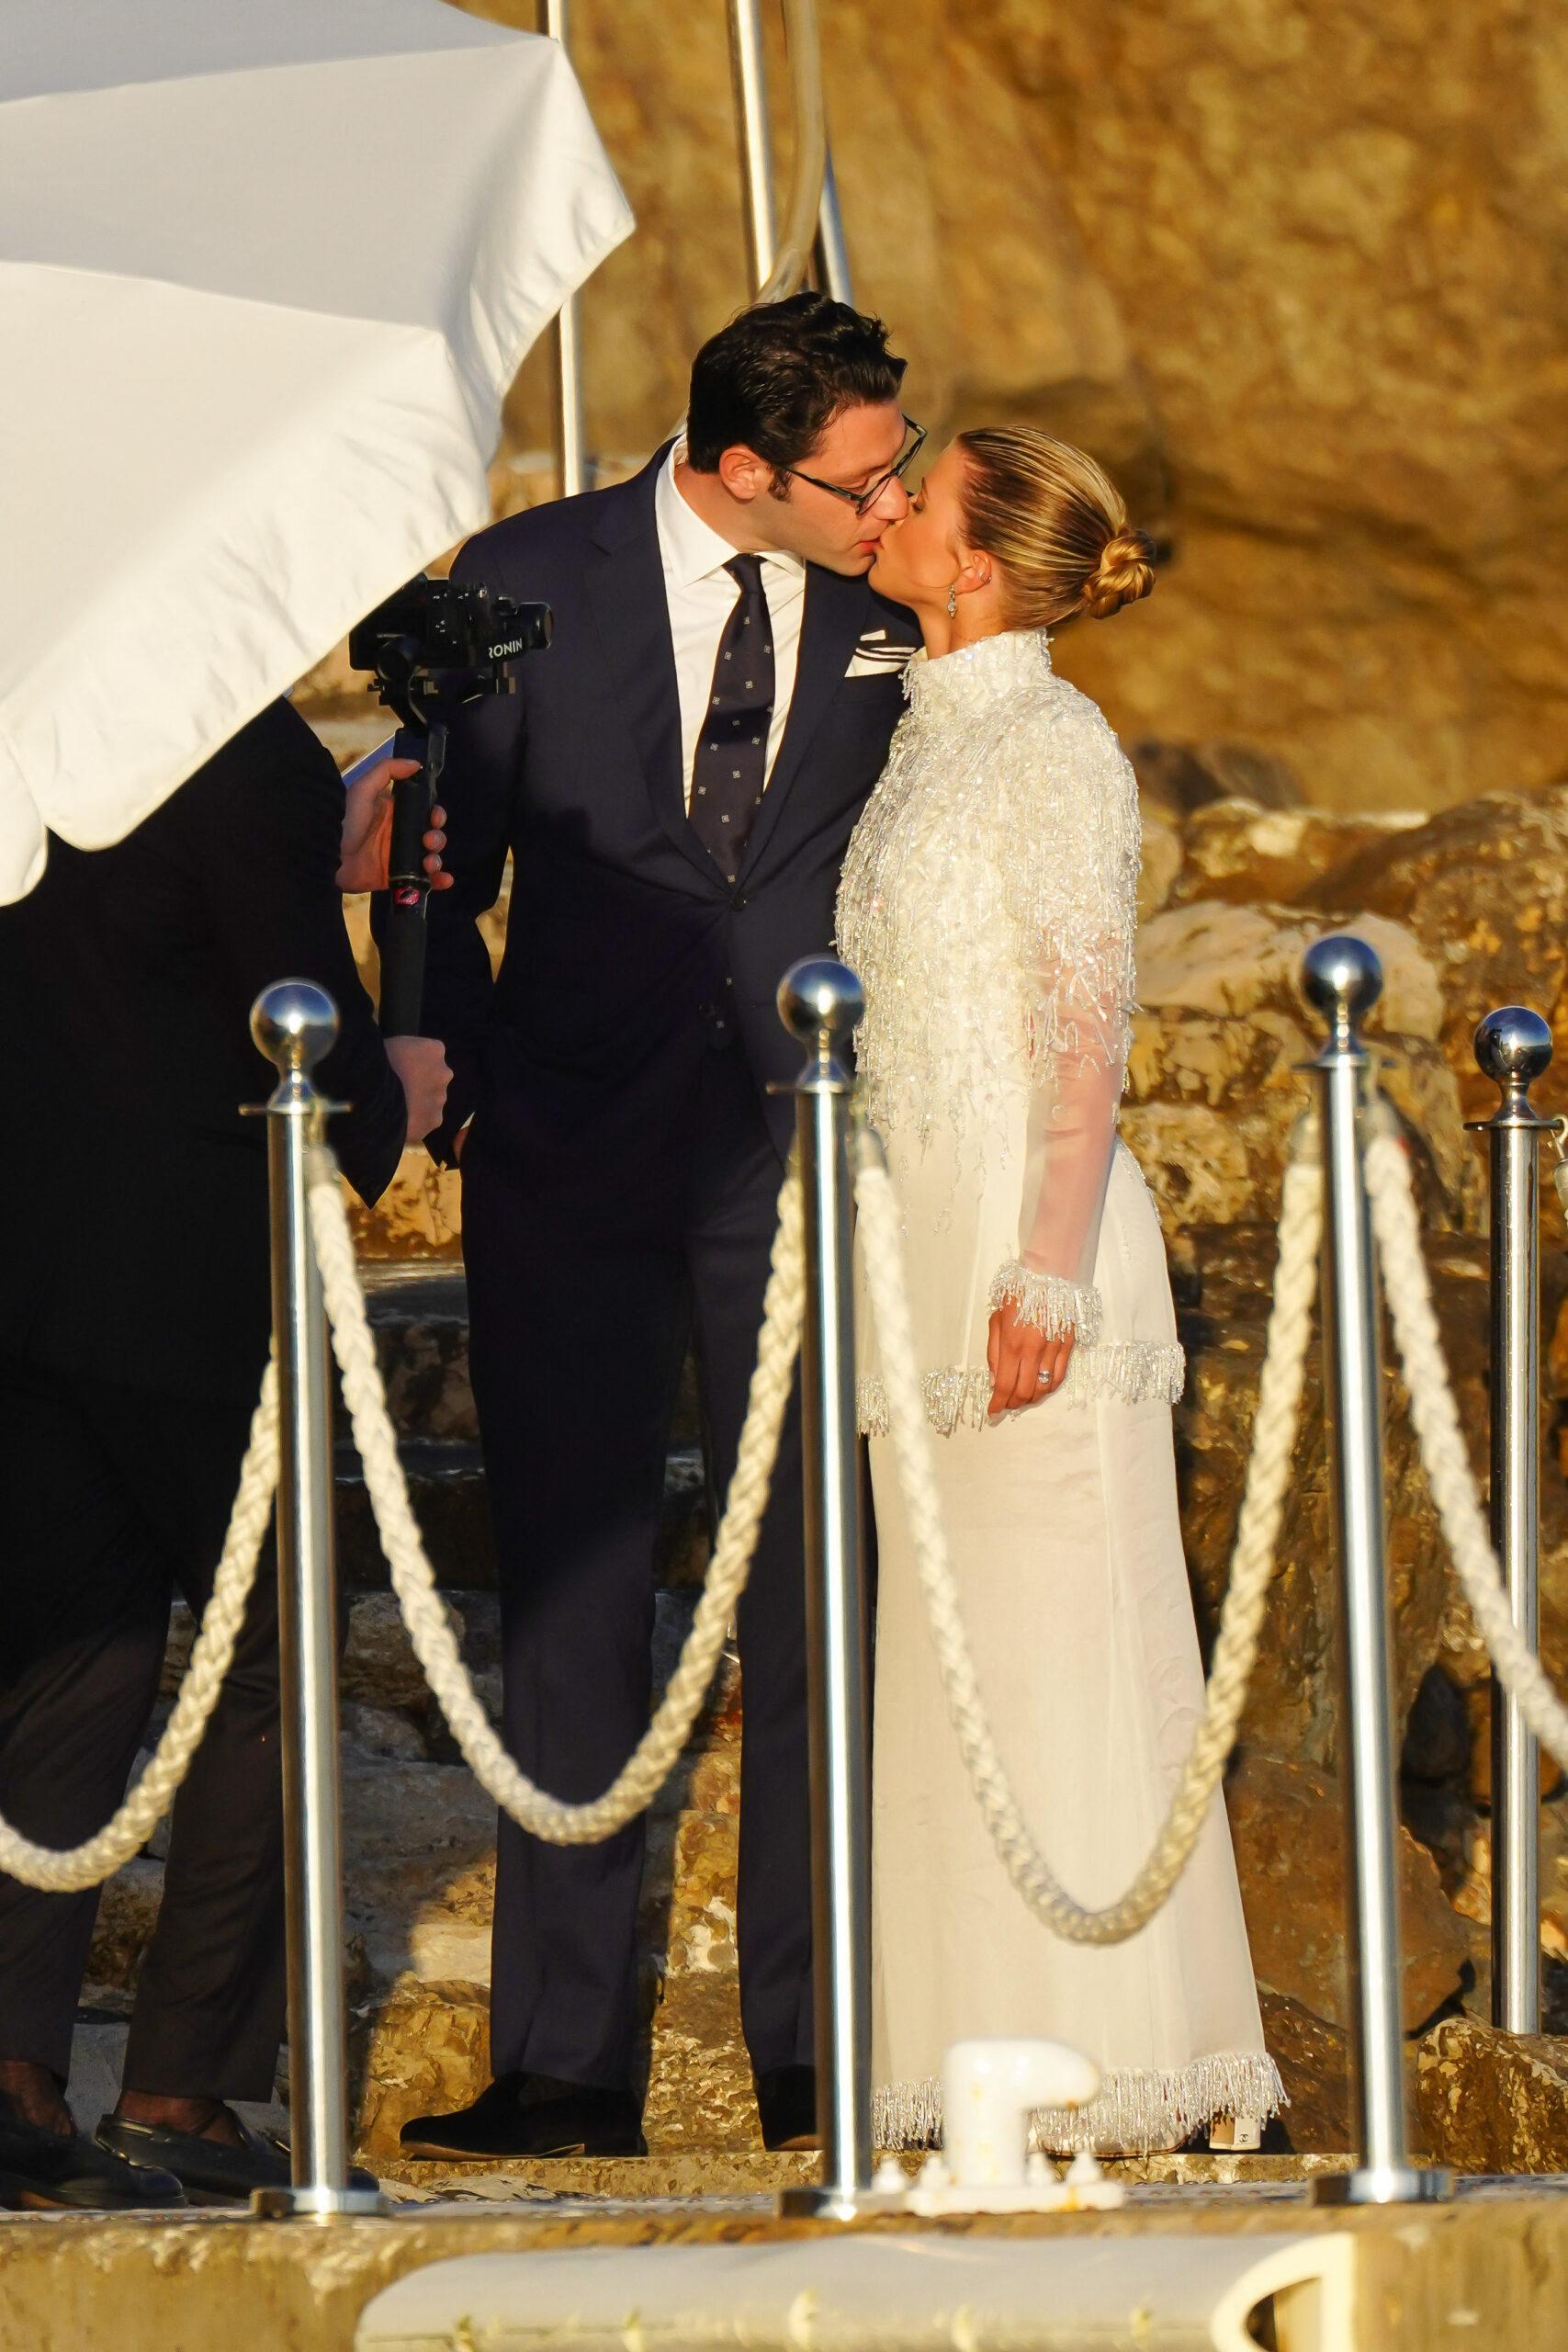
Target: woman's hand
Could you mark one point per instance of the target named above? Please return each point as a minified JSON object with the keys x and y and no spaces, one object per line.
{"x":367,"y":830}
{"x":1025,"y":1364}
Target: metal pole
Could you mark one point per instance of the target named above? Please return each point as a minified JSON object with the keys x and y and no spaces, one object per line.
{"x":1343,"y":981}
{"x":832,"y":255}
{"x":294,"y":1024}
{"x":1513,"y":1047}
{"x":821,"y":1002}
{"x":756,"y":138}
{"x":571,"y":461}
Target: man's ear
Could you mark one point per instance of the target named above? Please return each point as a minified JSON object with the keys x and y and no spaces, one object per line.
{"x":745,"y":475}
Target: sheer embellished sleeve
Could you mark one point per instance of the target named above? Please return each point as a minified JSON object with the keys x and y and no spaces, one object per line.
{"x":1073,"y":903}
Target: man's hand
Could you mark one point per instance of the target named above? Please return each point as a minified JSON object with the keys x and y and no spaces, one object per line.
{"x":368,"y":828}
{"x":1025,"y":1365}
{"x":420,"y":1066}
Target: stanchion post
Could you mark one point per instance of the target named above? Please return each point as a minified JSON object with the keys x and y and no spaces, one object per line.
{"x":821,"y":1002}
{"x":1343,"y":981}
{"x":832,"y":255}
{"x":1513,"y":1047}
{"x":749,"y":76}
{"x":294,"y":1024}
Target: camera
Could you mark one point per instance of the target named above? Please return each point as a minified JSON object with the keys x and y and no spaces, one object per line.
{"x":445,"y":640}
{"x":432,"y":645}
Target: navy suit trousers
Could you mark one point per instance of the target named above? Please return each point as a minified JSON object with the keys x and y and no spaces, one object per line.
{"x":580,"y":1326}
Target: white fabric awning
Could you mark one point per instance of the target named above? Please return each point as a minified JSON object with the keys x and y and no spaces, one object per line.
{"x":266,"y":275}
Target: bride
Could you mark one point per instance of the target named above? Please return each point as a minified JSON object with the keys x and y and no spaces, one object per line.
{"x":988,"y":906}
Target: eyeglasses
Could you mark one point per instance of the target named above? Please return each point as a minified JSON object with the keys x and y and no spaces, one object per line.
{"x":863,"y":500}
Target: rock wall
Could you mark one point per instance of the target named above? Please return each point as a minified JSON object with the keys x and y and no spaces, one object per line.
{"x":1295,"y":273}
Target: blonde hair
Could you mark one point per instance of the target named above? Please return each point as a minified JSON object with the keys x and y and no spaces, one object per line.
{"x":1055,"y":522}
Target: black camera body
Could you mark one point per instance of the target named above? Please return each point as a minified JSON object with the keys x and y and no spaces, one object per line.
{"x":449,"y":639}
{"x":432,"y":645}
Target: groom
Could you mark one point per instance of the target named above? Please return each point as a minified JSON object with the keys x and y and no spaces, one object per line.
{"x":677,"y":780}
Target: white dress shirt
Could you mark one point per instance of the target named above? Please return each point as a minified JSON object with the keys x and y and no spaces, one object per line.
{"x":702,"y":595}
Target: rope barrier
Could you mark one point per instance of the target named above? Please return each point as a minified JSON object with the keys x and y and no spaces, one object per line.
{"x":558,"y":1822}
{"x":1252,"y":1562}
{"x":413,"y":1579}
{"x":1443,"y":1452}
{"x":66,"y":1871}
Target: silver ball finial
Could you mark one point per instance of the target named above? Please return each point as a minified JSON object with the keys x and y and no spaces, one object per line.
{"x":820,"y":1002}
{"x":1513,"y":1047}
{"x":295,"y":1024}
{"x":1342,"y":980}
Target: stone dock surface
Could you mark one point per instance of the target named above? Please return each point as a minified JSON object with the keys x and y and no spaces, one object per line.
{"x":1490,"y":2269}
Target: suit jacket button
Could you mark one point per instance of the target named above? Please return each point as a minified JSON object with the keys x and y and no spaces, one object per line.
{"x":738,"y":900}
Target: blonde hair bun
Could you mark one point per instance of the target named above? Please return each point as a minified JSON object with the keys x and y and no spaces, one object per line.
{"x":1125,"y":571}
{"x":1054,"y":523}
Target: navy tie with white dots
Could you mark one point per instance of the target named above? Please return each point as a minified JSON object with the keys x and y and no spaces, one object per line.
{"x":730,"y":765}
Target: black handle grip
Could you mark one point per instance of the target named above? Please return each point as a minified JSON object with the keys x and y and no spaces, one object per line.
{"x":402,"y":965}
{"x":402,"y":940}
{"x":412,"y":803}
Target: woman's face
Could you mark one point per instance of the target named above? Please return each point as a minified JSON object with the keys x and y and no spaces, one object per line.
{"x":920,"y":556}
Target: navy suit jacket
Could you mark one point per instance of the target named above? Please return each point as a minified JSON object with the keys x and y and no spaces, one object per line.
{"x":628,"y":955}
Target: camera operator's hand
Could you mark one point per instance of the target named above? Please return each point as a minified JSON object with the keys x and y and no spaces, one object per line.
{"x":368,"y":828}
{"x":420,"y":1066}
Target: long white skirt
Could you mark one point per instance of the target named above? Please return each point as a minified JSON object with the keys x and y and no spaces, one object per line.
{"x":1067,"y":1545}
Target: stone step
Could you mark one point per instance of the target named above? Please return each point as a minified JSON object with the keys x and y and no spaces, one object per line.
{"x":381,"y":1681}
{"x":421,"y":1322}
{"x":425,"y":2048}
{"x":679,"y":2170}
{"x":420,"y":1832}
{"x":420,"y":1316}
{"x":446,"y":1487}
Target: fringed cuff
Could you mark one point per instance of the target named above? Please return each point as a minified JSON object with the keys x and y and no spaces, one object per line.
{"x":1048,"y":1303}
{"x":1119,"y":1372}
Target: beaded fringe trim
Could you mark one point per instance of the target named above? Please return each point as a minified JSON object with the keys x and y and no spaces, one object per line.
{"x":1134,"y":2113}
{"x":1047,"y":1303}
{"x":1125,"y":1371}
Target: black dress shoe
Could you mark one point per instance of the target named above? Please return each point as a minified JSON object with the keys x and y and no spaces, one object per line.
{"x":46,"y":2172}
{"x":531,"y":2115}
{"x":211,"y":2172}
{"x":787,"y":2106}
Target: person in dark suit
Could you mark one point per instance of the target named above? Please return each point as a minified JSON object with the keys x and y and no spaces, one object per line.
{"x":133,"y":1331}
{"x":676,"y":782}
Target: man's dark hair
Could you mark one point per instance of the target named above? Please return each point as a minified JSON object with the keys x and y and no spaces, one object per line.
{"x":776,"y":377}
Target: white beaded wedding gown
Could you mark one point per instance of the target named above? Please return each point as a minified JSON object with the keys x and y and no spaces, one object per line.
{"x":989,"y":904}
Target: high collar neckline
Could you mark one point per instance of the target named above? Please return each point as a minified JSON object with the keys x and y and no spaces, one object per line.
{"x":1000,"y":665}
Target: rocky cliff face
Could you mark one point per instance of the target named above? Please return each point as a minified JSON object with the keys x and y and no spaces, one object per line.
{"x":1295,"y":273}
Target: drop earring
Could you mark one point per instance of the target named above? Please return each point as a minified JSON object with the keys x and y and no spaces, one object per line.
{"x":952,"y":602}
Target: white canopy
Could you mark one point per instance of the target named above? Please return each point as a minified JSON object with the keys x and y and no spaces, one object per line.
{"x":266,"y":274}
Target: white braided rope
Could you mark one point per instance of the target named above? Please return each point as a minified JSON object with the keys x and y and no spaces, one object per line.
{"x":1252,"y":1563}
{"x":1443,"y":1452}
{"x":65,"y":1870}
{"x":414,"y":1580}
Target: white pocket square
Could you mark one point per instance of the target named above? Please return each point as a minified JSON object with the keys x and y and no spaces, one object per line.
{"x":878,"y":656}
